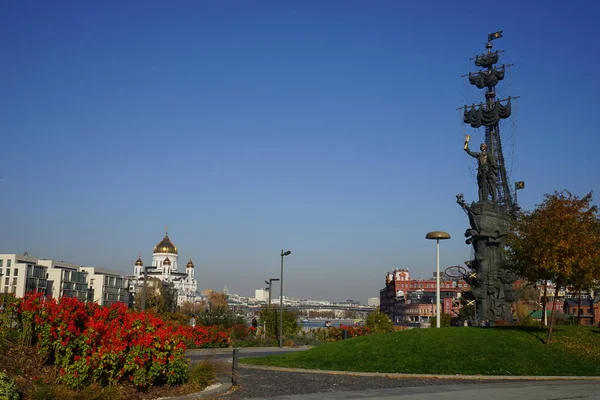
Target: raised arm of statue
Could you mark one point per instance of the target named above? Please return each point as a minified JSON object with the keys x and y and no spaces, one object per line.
{"x":469,"y":152}
{"x":466,"y":147}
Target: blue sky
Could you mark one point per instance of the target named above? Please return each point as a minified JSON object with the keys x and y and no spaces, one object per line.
{"x":326,"y":127}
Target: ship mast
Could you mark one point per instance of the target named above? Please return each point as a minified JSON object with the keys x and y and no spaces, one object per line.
{"x":488,"y":114}
{"x":494,"y":142}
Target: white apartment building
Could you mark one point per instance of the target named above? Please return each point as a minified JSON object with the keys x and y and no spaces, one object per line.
{"x":106,"y":286}
{"x":20,"y":274}
{"x":65,"y":280}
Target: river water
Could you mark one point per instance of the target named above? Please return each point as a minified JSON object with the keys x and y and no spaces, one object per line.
{"x":320,"y":323}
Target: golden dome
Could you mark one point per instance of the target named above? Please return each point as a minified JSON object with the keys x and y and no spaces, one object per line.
{"x":139,"y":262}
{"x":165,"y":246}
{"x":190,"y":264}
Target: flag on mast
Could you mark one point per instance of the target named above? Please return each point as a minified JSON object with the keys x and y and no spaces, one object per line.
{"x":495,"y":35}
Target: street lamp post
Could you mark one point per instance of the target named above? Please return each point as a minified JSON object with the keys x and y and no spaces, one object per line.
{"x":437,"y":236}
{"x":270,"y":283}
{"x":269,"y":287}
{"x":283,"y":254}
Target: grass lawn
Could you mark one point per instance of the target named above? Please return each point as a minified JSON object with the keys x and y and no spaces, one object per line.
{"x":575,"y":350}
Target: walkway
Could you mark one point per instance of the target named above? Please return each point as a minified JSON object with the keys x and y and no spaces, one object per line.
{"x":272,"y":384}
{"x":257,"y":382}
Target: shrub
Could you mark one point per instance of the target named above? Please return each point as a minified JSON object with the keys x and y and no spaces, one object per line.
{"x":379,"y":322}
{"x":219,"y":318}
{"x":8,"y":388}
{"x":269,"y":318}
{"x":253,"y":340}
{"x":106,"y":345}
{"x":202,"y":374}
{"x":528,"y":321}
{"x":207,"y":337}
{"x":239,"y":331}
{"x":445,"y":320}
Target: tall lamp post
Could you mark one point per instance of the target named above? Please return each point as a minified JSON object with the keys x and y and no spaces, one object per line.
{"x":437,"y":236}
{"x":283,"y":254}
{"x":270,"y":283}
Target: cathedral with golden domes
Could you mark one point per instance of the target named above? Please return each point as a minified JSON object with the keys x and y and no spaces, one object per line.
{"x":165,"y":268}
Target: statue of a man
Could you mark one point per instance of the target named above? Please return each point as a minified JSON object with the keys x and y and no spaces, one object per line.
{"x":487,"y":171}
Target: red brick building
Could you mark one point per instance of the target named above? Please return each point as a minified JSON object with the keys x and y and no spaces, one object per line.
{"x":407,"y":300}
{"x":587,"y":314}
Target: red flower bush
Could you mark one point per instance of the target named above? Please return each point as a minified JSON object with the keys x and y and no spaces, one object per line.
{"x":208,"y":336}
{"x":356,"y":330}
{"x":105,"y":345}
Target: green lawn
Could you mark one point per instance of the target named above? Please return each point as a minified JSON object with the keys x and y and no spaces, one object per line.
{"x":467,"y":351}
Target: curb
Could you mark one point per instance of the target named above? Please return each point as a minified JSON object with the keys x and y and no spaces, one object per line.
{"x":223,"y":387}
{"x":427,"y":376}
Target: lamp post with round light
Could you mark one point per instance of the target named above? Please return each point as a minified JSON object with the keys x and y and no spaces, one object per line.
{"x":437,"y":236}
{"x":283,"y":254}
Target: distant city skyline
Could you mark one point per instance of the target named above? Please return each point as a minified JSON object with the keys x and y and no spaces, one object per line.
{"x":329,"y":129}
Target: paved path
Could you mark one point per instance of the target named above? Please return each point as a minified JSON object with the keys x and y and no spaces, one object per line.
{"x":270,"y":385}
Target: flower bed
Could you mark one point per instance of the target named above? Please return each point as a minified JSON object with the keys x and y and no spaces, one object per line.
{"x":104,"y":345}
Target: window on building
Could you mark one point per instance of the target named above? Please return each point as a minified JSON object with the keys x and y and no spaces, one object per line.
{"x":14,"y":281}
{"x":8,"y":262}
{"x":6,"y":280}
{"x":1,"y":262}
{"x":16,"y":271}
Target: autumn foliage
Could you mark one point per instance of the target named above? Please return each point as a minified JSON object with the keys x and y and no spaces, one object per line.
{"x":558,"y":241}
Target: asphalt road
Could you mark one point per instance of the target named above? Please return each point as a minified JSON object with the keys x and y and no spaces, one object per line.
{"x":271,"y":385}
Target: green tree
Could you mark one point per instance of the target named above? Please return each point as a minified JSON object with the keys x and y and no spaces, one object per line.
{"x":559,"y":241}
{"x":378,"y":322}
{"x":269,"y":318}
{"x":160,"y":296}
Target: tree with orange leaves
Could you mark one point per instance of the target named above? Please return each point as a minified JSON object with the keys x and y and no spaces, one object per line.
{"x":558,"y":241}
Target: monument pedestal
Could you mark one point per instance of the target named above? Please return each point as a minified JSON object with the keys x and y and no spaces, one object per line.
{"x":491,"y":283}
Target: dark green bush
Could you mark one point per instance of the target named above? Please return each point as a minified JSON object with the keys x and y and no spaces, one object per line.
{"x":379,"y":322}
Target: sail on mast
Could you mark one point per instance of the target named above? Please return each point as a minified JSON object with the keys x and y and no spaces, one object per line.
{"x":489,"y":113}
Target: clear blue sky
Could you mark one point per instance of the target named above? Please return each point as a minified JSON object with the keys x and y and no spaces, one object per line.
{"x":326,"y":127}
